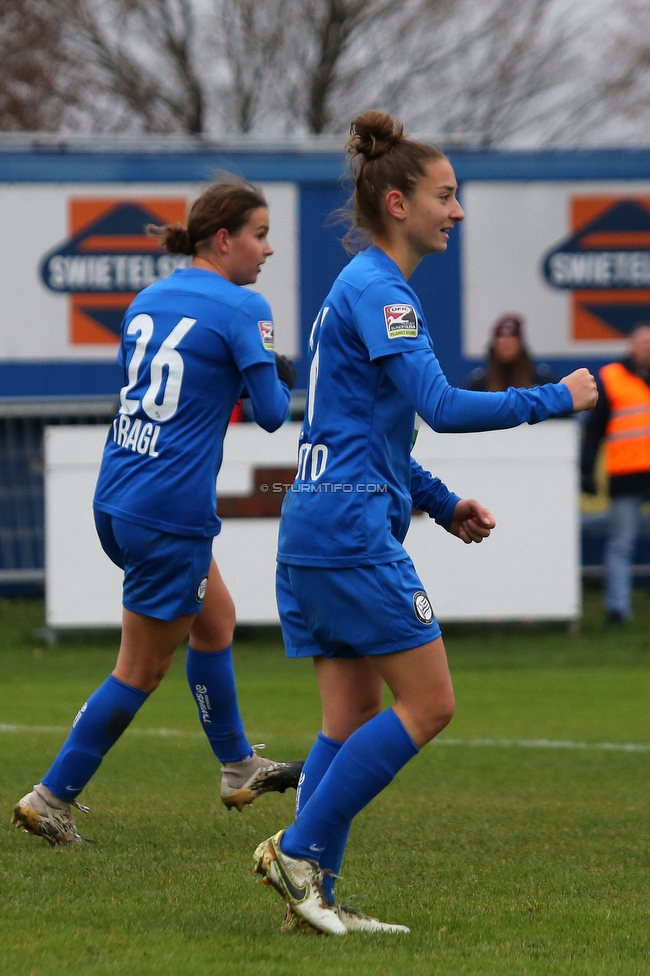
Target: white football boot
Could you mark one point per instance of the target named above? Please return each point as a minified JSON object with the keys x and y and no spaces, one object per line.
{"x":353,"y":919}
{"x":300,"y":882}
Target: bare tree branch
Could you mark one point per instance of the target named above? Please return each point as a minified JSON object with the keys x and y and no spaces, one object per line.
{"x":499,"y":72}
{"x":509,"y":77}
{"x":253,"y":46}
{"x":143,"y":57}
{"x":38,"y":82}
{"x":333,"y":28}
{"x":627,"y":84}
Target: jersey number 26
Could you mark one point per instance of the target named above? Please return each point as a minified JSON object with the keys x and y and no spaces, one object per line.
{"x":166,"y":369}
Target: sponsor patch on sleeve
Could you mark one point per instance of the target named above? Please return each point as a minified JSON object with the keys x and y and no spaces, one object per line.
{"x":266,"y":331}
{"x":401,"y":321}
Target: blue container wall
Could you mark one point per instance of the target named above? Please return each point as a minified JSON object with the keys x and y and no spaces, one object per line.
{"x":64,"y":379}
{"x":437,"y":281}
{"x":322,"y":256}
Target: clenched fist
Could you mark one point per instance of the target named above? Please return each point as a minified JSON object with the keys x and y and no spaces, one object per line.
{"x":582,"y":387}
{"x":471,"y":521}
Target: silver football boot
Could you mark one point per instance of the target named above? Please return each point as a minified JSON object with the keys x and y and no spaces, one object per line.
{"x":43,"y":814}
{"x":242,"y":782}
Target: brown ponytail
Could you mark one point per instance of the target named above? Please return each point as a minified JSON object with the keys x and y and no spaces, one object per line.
{"x":381,"y":158}
{"x":227,"y":203}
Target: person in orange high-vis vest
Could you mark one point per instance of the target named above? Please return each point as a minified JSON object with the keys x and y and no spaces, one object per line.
{"x":621,"y":419}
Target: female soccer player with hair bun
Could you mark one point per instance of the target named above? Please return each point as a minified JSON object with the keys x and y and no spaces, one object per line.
{"x":190,"y":344}
{"x":348,"y":593}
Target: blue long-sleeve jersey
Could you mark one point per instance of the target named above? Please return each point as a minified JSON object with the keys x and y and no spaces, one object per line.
{"x":190,"y":343}
{"x":372,"y":368}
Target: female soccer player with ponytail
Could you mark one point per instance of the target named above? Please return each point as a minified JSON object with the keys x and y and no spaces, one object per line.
{"x":190,"y":344}
{"x":348,"y":593}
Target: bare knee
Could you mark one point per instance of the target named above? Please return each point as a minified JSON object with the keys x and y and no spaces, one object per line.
{"x":143,"y":675}
{"x":442,"y":716}
{"x":212,"y":629}
{"x":424,"y":720}
{"x":438,"y":718}
{"x":153,"y":680}
{"x":371,"y":710}
{"x":213,"y":633}
{"x":341,"y":726}
{"x":351,"y":693}
{"x":214,"y":638}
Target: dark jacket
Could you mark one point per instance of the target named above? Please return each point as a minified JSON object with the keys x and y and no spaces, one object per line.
{"x":624,"y":484}
{"x":477,"y":379}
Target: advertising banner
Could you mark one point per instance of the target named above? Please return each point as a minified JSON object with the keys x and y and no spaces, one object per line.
{"x":527,"y":570}
{"x":572,"y":258}
{"x":77,"y":255}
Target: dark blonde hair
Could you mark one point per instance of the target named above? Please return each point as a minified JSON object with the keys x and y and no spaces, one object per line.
{"x":381,"y":158}
{"x":227,"y":203}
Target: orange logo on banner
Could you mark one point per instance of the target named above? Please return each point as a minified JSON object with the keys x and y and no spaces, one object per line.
{"x":108,"y":259}
{"x":605,"y":263}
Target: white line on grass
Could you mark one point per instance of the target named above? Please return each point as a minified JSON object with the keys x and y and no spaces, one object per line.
{"x":546,"y":744}
{"x":62,"y":729}
{"x":445,"y":741}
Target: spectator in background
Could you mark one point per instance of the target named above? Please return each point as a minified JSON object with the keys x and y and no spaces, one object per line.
{"x":621,"y":419}
{"x":508,"y":363}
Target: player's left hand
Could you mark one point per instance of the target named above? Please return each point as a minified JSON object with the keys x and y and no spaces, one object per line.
{"x":472,"y":522}
{"x":286,"y":370}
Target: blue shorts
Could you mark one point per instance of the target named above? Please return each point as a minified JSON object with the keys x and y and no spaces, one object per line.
{"x":165,"y":575}
{"x":353,"y":612}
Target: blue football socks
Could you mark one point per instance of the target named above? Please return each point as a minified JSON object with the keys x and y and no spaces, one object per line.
{"x":366,"y":763}
{"x":98,"y":726}
{"x":211,"y":677}
{"x":316,"y":765}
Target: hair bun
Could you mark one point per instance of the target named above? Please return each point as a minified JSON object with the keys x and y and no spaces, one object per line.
{"x":177,"y":239}
{"x":174,"y":237}
{"x":373,"y":134}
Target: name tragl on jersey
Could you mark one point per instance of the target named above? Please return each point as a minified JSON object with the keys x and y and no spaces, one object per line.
{"x":108,"y":258}
{"x":163,"y":376}
{"x":401,"y":321}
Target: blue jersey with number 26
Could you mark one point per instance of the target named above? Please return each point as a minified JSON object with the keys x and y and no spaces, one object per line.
{"x":372,"y":368}
{"x":186,"y":340}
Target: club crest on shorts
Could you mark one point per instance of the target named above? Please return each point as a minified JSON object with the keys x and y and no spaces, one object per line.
{"x":201,"y":588}
{"x":401,"y":321}
{"x":266,"y":331}
{"x":422,"y":607}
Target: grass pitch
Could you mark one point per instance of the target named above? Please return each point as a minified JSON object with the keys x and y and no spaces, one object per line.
{"x":504,"y":852}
